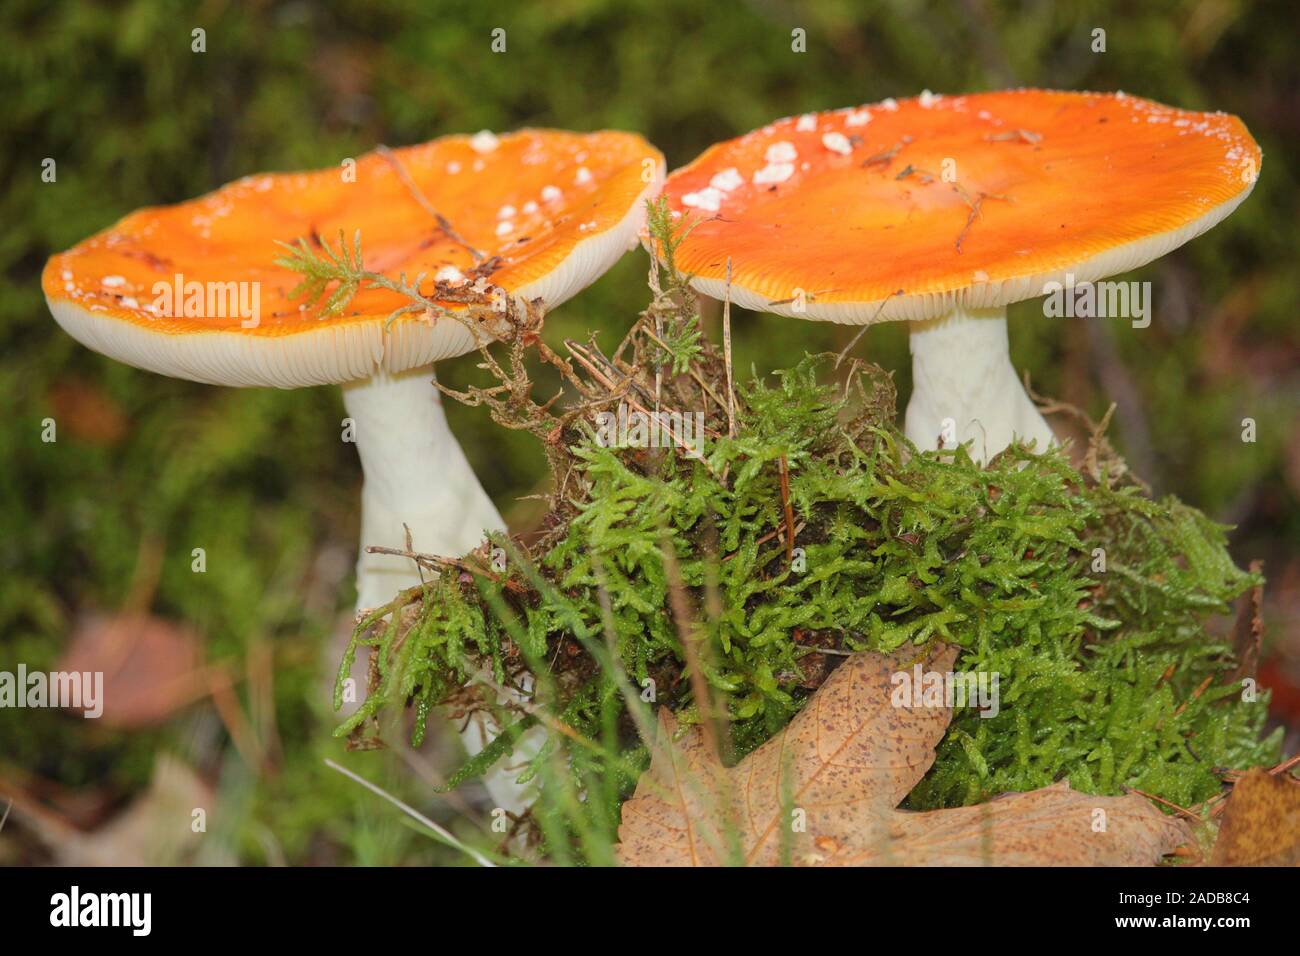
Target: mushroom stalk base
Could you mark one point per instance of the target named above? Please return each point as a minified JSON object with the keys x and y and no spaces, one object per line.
{"x":417,"y":475}
{"x":965,"y":389}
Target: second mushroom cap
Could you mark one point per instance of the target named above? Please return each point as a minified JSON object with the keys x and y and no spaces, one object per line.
{"x":943,"y":210}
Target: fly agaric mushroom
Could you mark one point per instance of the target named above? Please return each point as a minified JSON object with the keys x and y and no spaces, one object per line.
{"x":944,"y":210}
{"x":193,"y":291}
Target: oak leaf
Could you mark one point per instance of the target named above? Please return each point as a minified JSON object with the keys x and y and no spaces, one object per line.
{"x":155,"y":829}
{"x":151,"y":667}
{"x":1261,"y":823}
{"x":824,"y":792}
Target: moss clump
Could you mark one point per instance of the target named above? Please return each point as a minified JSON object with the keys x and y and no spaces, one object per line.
{"x":1088,"y":599}
{"x":1098,"y":671}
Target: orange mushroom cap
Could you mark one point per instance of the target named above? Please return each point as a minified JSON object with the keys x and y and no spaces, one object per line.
{"x":556,"y":208}
{"x":908,"y":209}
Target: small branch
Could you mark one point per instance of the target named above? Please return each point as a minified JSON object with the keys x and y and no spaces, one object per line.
{"x":925,"y":177}
{"x":768,"y":537}
{"x":1172,"y":806}
{"x":1195,"y":694}
{"x":433,"y":561}
{"x":427,"y":206}
{"x":784,"y":469}
{"x":1285,"y":766}
{"x":621,"y":391}
{"x":976,"y":207}
{"x":862,"y":330}
{"x":887,"y":157}
{"x":629,"y":374}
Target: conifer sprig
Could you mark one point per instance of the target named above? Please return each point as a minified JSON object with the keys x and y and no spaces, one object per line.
{"x":319,"y":269}
{"x":344,"y":268}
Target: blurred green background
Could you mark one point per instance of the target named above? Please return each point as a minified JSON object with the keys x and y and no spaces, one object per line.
{"x":101,"y":524}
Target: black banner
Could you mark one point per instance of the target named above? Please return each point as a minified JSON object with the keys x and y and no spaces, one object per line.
{"x":333,"y":906}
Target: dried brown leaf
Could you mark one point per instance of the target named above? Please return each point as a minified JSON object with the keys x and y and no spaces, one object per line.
{"x":1053,"y":826}
{"x":88,"y":413}
{"x":1261,"y":823}
{"x":152,"y":667}
{"x":825,"y":790}
{"x":155,"y":829}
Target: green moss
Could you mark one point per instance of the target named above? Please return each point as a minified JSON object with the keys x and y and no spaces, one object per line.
{"x":1098,"y":670}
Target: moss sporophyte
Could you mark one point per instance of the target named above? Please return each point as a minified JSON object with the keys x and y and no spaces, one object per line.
{"x":727,"y":586}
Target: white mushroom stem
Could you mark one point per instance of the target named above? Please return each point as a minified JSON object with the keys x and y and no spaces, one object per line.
{"x":965,"y":389}
{"x":417,"y":476}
